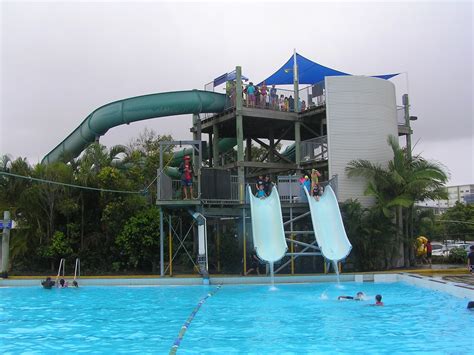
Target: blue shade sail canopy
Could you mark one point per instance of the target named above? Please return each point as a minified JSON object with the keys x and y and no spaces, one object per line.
{"x":227,"y":77}
{"x":309,"y":72}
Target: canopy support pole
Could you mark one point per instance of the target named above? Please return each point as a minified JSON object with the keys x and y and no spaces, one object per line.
{"x":295,"y":82}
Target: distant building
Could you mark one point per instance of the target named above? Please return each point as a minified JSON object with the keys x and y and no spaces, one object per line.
{"x":459,"y":193}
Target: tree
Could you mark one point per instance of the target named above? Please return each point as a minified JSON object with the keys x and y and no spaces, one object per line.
{"x":407,"y":178}
{"x":458,"y":222}
{"x":140,"y":238}
{"x":60,"y":247}
{"x":369,"y":231}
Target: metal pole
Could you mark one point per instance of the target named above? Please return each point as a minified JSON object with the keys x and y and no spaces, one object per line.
{"x":295,"y":81}
{"x":162,"y":261}
{"x":5,"y":244}
{"x":244,"y":231}
{"x":215,"y":145}
{"x":406,"y":108}
{"x":291,"y":244}
{"x":297,"y":143}
{"x":218,"y":234}
{"x":303,"y":244}
{"x":240,"y":134}
{"x":170,"y":242}
{"x":199,"y":166}
{"x":297,"y":218}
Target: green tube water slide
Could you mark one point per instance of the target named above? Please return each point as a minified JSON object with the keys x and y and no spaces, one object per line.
{"x":137,"y":109}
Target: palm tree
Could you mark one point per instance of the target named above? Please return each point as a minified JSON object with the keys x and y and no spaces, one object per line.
{"x":397,"y":187}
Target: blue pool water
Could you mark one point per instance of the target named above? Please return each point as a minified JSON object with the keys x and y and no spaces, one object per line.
{"x":304,"y":318}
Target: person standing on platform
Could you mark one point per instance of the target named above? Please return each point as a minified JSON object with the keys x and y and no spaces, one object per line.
{"x":250,"y":95}
{"x":274,"y":98}
{"x":429,"y":250}
{"x":263,"y":95}
{"x":267,"y":185}
{"x":186,"y":171}
{"x":470,"y":260}
{"x":315,"y":175}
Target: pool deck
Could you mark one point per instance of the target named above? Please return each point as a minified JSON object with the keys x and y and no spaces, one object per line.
{"x":457,"y":282}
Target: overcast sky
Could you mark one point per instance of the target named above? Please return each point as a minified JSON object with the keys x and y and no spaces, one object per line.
{"x":61,"y":60}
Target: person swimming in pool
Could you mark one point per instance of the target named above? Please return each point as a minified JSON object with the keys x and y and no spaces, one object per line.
{"x":378,"y":300}
{"x":48,"y":283}
{"x":358,"y":297}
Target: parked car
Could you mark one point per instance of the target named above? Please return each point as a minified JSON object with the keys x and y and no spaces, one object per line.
{"x":439,"y":249}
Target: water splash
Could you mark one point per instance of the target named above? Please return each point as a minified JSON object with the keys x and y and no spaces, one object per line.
{"x":336,"y":269}
{"x":324,"y":296}
{"x":272,"y":275}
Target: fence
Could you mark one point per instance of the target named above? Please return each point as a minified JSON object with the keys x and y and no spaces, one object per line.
{"x":289,"y":189}
{"x":401,"y":115}
{"x":313,"y":95}
{"x":315,"y":149}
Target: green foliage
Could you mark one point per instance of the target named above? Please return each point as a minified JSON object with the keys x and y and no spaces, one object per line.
{"x":370,"y":233}
{"x":140,"y":238}
{"x":457,"y":256}
{"x":59,"y":221}
{"x":458,"y":222}
{"x":60,"y":247}
{"x":397,"y":187}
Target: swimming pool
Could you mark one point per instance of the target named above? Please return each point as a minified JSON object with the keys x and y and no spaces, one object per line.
{"x":299,"y":318}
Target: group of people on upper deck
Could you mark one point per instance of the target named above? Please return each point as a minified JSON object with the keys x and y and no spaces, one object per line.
{"x":261,"y":96}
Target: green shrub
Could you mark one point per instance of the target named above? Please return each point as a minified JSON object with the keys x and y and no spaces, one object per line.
{"x":457,"y":256}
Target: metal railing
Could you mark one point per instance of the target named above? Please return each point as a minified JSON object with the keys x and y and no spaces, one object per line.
{"x":315,"y":149}
{"x":289,"y":189}
{"x":313,"y":95}
{"x":77,"y":269}
{"x":401,"y":115}
{"x":62,"y":266}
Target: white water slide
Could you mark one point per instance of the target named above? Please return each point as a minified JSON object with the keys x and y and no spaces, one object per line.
{"x":328,"y":227}
{"x":267,"y":226}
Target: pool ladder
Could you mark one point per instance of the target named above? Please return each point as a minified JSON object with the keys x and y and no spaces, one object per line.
{"x":77,"y":269}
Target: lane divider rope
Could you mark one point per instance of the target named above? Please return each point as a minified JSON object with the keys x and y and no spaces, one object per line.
{"x":177,"y":341}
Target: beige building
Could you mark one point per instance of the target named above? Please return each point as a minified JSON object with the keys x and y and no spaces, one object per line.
{"x":459,"y":193}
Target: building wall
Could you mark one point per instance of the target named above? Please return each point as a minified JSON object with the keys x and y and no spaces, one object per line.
{"x":361,"y":114}
{"x":459,"y":193}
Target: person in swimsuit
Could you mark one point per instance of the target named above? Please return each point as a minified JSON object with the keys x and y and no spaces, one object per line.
{"x":470,"y":260}
{"x":378,"y":300}
{"x":358,"y":297}
{"x":48,"y":283}
{"x":186,"y":171}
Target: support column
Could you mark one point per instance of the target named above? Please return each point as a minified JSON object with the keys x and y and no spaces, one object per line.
{"x":210,"y":151}
{"x":271,"y":139}
{"x":248,"y":147}
{"x":244,"y":245}
{"x":162,"y":255}
{"x":215,"y":145}
{"x":5,"y":244}
{"x":197,"y":136}
{"x":297,"y":143}
{"x":240,"y":134}
{"x":406,"y":108}
{"x":295,"y":82}
{"x":218,"y":246}
{"x":170,"y":242}
{"x":197,"y":127}
{"x":292,"y":244}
